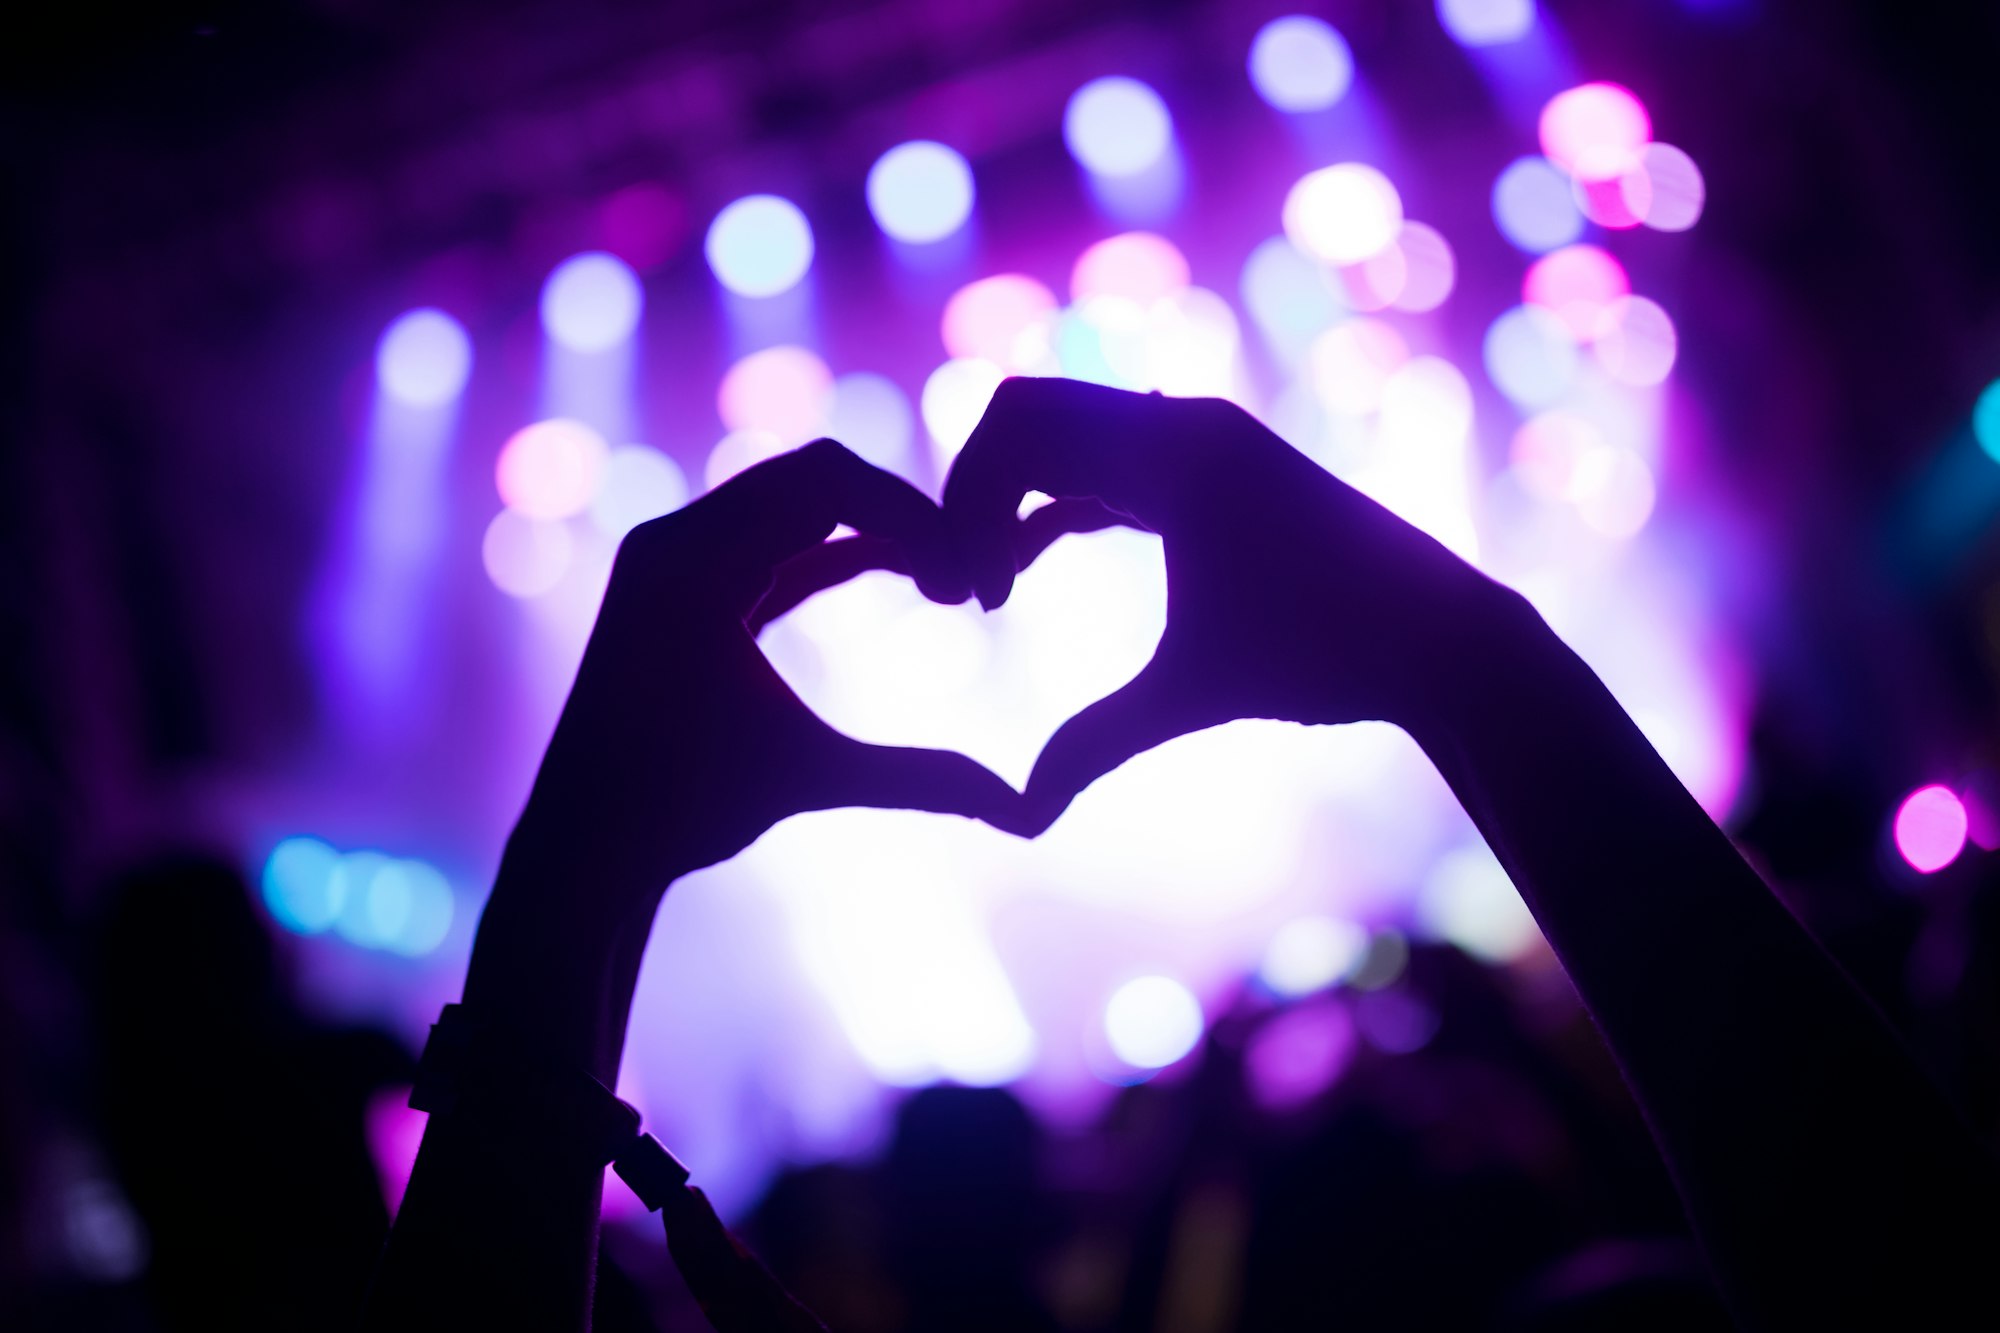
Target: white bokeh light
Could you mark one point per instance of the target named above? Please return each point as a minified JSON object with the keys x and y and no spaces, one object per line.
{"x":760,"y":245}
{"x":1343,"y":214}
{"x":424,"y":358}
{"x":1300,"y":63}
{"x":1117,"y":126}
{"x":954,"y":398}
{"x":639,"y":484}
{"x":591,"y":302}
{"x":920,"y":191}
{"x":1311,"y":953}
{"x":1152,"y":1021}
{"x":1486,"y":22}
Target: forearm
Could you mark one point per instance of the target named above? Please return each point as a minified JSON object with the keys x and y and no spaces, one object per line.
{"x":1823,"y":1173}
{"x":499,"y":1224}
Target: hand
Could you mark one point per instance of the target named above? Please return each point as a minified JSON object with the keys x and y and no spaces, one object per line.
{"x":680,"y":744}
{"x":1289,"y":594}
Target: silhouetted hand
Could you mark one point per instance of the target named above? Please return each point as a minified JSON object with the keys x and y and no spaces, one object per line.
{"x":1289,"y":595}
{"x":680,"y":744}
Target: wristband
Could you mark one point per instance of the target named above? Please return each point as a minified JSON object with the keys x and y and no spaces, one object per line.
{"x":465,"y":1063}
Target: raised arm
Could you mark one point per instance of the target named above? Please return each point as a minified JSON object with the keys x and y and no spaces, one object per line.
{"x":679,"y":745}
{"x":1826,"y":1179}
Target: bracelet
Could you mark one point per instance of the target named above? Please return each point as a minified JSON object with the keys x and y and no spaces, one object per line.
{"x":465,"y":1062}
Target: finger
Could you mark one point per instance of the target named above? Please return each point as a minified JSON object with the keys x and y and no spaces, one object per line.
{"x":889,"y":777}
{"x":1061,"y":437}
{"x":1147,"y":711}
{"x":770,"y":512}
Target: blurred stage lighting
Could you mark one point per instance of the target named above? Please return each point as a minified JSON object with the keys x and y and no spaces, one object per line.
{"x":1530,"y":356}
{"x":954,"y":398}
{"x":639,"y":484}
{"x":550,"y":469}
{"x":423,"y":358}
{"x":591,"y":302}
{"x":760,"y":245}
{"x":298,"y":884}
{"x":1343,"y":214}
{"x":1578,"y":284}
{"x":1117,"y":126}
{"x":783,"y":391}
{"x":1534,"y":207}
{"x":1486,"y":22}
{"x":1665,"y":190}
{"x":525,"y":557}
{"x":1930,"y":828}
{"x":1137,"y":266}
{"x":1595,"y":131}
{"x":1299,"y":63}
{"x":1311,"y":953}
{"x":369,"y":899}
{"x":1986,"y":420}
{"x":1008,"y":319}
{"x":1635,"y":342}
{"x":920,"y":191}
{"x":872,"y":416}
{"x":1151,"y":1022}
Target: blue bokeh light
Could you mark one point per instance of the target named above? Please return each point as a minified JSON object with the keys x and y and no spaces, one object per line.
{"x":760,"y":245}
{"x":1486,"y":22}
{"x":1986,"y":421}
{"x":301,"y":887}
{"x":1299,"y":63}
{"x":423,"y":358}
{"x":1530,"y":356}
{"x":1117,"y":126}
{"x":1534,"y":205}
{"x":920,"y":191}
{"x":591,"y":302}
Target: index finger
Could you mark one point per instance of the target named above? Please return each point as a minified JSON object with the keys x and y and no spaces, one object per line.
{"x":1065,"y":438}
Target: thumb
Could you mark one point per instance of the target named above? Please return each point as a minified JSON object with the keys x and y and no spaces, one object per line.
{"x":1148,"y":710}
{"x":890,"y":777}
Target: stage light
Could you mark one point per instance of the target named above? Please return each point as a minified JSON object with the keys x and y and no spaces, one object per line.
{"x":1298,"y":63}
{"x":1007,"y":319}
{"x":737,"y":450}
{"x":1311,"y":954}
{"x":1547,"y":449}
{"x":1595,"y":131}
{"x":871,"y":416}
{"x":423,"y":358}
{"x":1343,"y":214}
{"x":550,"y":469}
{"x":1287,"y":293}
{"x":1152,"y":1021}
{"x":1578,"y":284}
{"x":920,"y":191}
{"x":954,"y":398}
{"x":1930,"y":828}
{"x":1486,"y":22}
{"x":1429,"y":267}
{"x":356,"y":876}
{"x":1530,"y":356}
{"x":1533,"y":206}
{"x":1191,"y":341}
{"x":639,"y":484}
{"x":1395,"y":1021}
{"x":785,"y":391}
{"x":1665,"y":190}
{"x":1135,"y":265}
{"x":591,"y":302}
{"x":1103,"y":340}
{"x":1352,"y":361}
{"x":1986,"y":420}
{"x":422,"y":916}
{"x":299,"y":885}
{"x":1607,"y":200}
{"x":1426,"y":402}
{"x":1468,"y":900}
{"x":760,"y":245}
{"x":525,"y":557}
{"x":1117,"y":126}
{"x":1635,"y":341}
{"x":1614,"y":491}
{"x":1376,"y":281}
{"x":1299,"y":1054}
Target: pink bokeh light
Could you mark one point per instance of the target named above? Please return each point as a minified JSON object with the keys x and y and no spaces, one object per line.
{"x":550,"y":469}
{"x":1578,"y":284}
{"x":1007,"y":319}
{"x":1930,"y":828}
{"x":1595,"y":131}
{"x":783,"y":391}
{"x":1136,"y":265}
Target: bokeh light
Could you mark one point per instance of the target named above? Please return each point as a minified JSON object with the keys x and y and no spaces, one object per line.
{"x":872,"y":416}
{"x":1468,"y":900}
{"x":737,"y":450}
{"x":920,"y":191}
{"x":1533,"y":206}
{"x":1530,"y":355}
{"x":1152,"y":1021}
{"x":1614,"y":491}
{"x":760,"y":245}
{"x":1986,"y":420}
{"x":1008,"y":319}
{"x":525,"y":557}
{"x":1665,"y":190}
{"x":423,"y":358}
{"x":1343,"y":214}
{"x":784,"y":391}
{"x":640,"y":483}
{"x":1287,"y":293}
{"x":1930,"y":828}
{"x":1547,"y":449}
{"x":299,"y":885}
{"x":1352,"y":362}
{"x":1117,"y":126}
{"x":1136,"y":265}
{"x":954,"y":398}
{"x":1311,"y":953}
{"x":1578,"y":284}
{"x":1429,"y":268}
{"x":1299,"y":63}
{"x":1595,"y":131}
{"x":550,"y":469}
{"x":1486,"y":22}
{"x":1299,"y":1054}
{"x":591,"y":302}
{"x":1635,"y":341}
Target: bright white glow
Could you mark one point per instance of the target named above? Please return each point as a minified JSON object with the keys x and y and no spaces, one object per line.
{"x":1117,"y":126}
{"x":1595,"y":130}
{"x":1418,"y":472}
{"x":1008,"y":319}
{"x":954,"y":398}
{"x":1287,"y":293}
{"x":920,"y":191}
{"x":1152,"y":1021}
{"x":1191,"y":342}
{"x":639,"y":484}
{"x":760,"y":245}
{"x":1430,"y":269}
{"x":737,"y":450}
{"x":871,"y":416}
{"x":1311,"y":953}
{"x":1486,"y":22}
{"x":1614,"y":491}
{"x":424,"y":358}
{"x":1351,"y":363}
{"x":1135,"y":265}
{"x":1468,"y":900}
{"x":525,"y":557}
{"x":591,"y":302}
{"x":1533,"y":206}
{"x":784,"y":391}
{"x":1530,"y":356}
{"x":1299,"y":63}
{"x":1343,"y":214}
